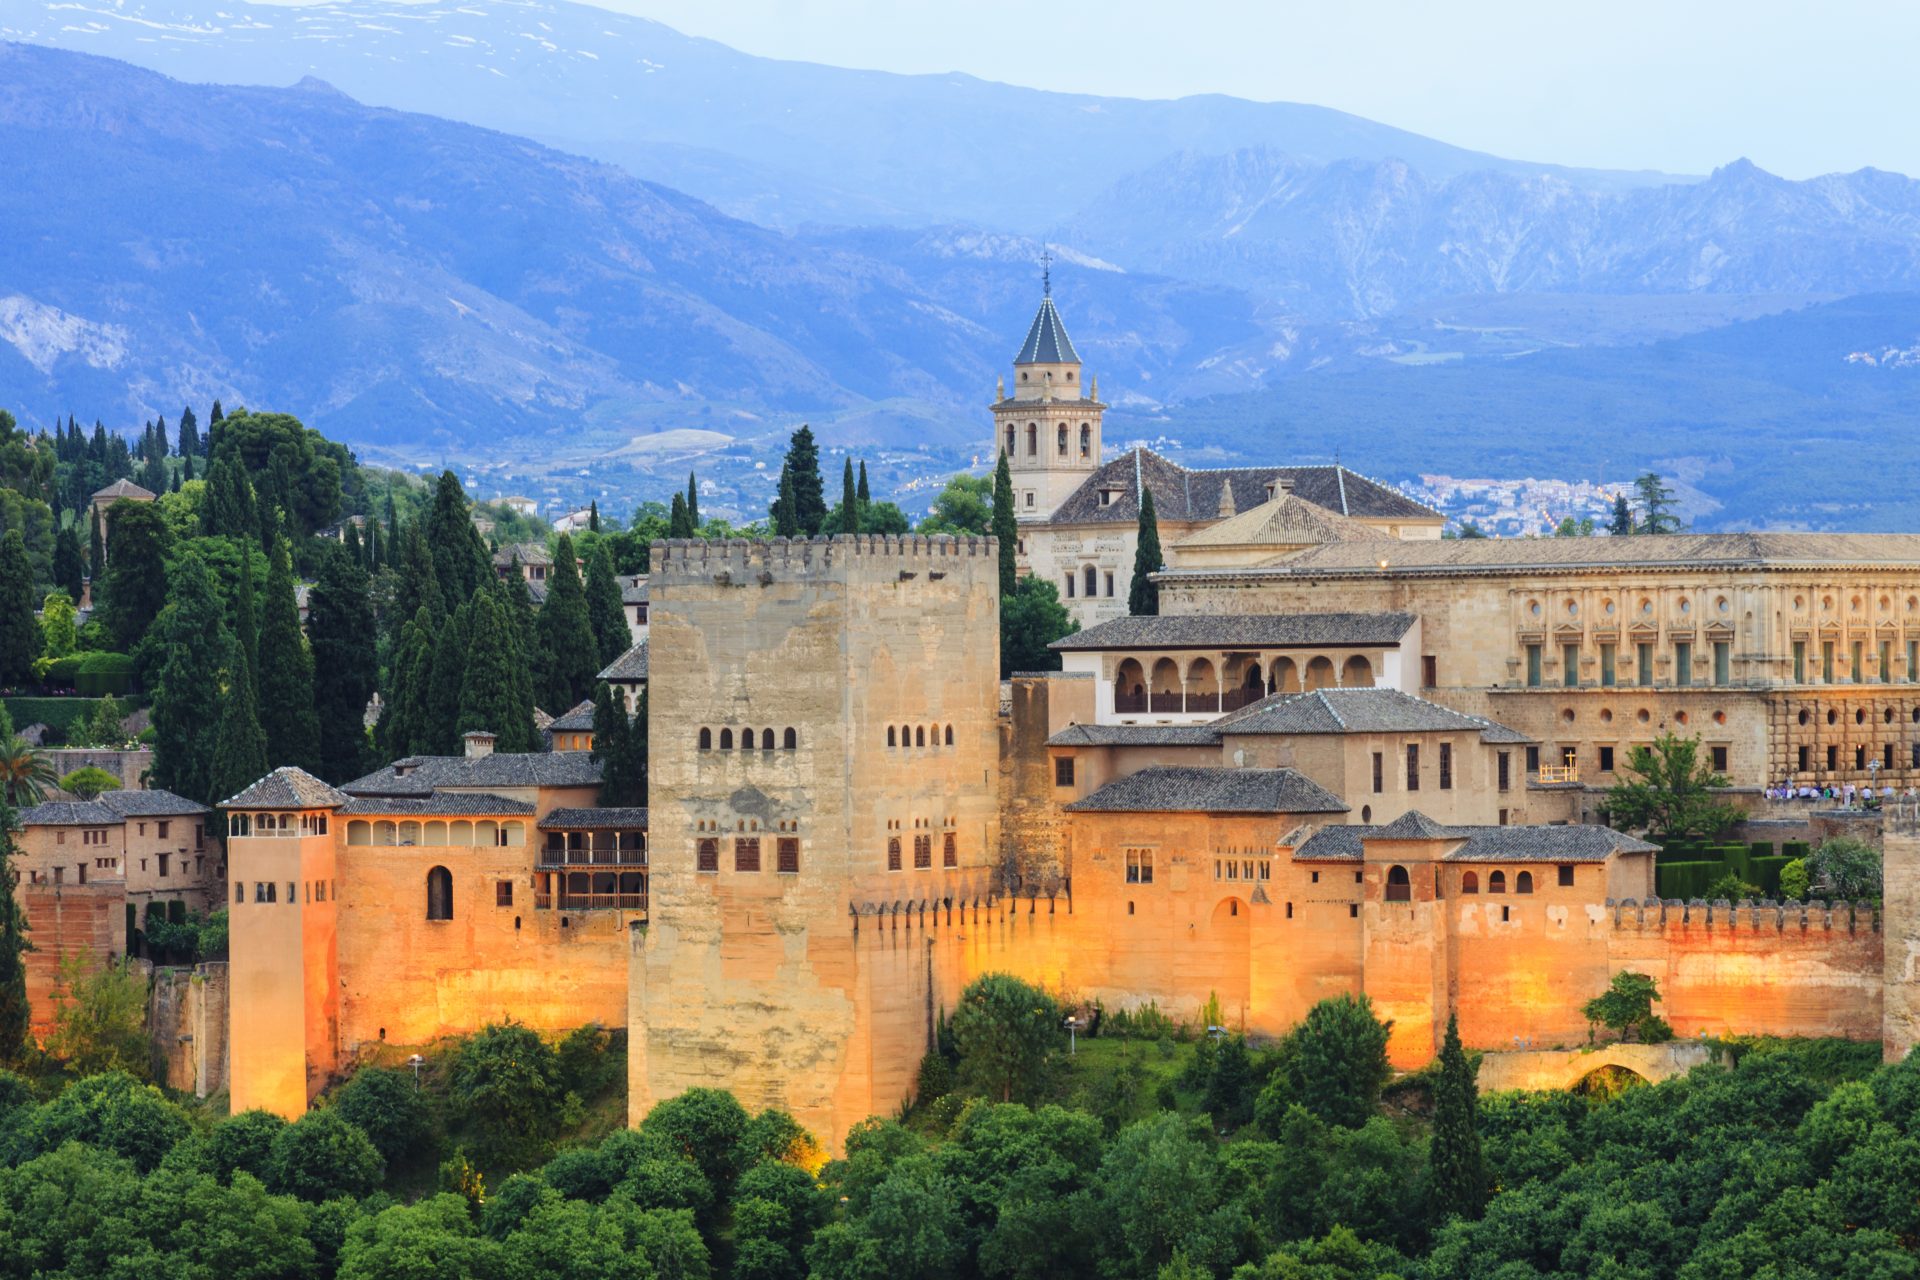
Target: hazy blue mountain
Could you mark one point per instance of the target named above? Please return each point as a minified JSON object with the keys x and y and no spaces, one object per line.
{"x":1368,"y":238}
{"x":405,"y":281}
{"x":780,"y":143}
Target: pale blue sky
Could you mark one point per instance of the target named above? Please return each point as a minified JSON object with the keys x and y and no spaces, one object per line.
{"x":1682,"y":85}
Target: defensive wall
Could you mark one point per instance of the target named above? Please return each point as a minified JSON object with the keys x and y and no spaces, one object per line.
{"x":187,"y":1024}
{"x":85,"y":922}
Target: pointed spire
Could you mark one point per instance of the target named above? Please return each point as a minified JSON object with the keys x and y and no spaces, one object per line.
{"x":1046,"y":272}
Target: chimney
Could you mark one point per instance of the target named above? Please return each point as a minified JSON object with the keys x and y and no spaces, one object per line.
{"x":479,"y":742}
{"x":1279,"y":487}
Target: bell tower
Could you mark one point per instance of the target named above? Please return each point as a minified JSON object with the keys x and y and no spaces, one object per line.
{"x":1049,"y":427}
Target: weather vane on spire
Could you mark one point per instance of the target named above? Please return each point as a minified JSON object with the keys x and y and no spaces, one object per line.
{"x":1046,"y":272}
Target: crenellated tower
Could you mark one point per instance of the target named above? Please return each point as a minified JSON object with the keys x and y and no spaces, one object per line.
{"x":1049,"y":426}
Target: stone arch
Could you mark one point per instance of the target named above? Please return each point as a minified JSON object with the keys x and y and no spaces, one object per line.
{"x":1131,"y":679}
{"x":439,"y":894}
{"x":726,"y":739}
{"x":1086,"y":440}
{"x":1319,"y":673}
{"x":1202,"y":680}
{"x":920,"y":736}
{"x":1470,"y":883}
{"x":1033,"y":439}
{"x":792,"y":740}
{"x":1283,"y":676}
{"x":949,"y":735}
{"x":1497,"y":882}
{"x":706,"y":739}
{"x":1166,"y":677}
{"x":1060,"y":440}
{"x":1399,"y":886}
{"x":1357,"y":673}
{"x":1523,"y":883}
{"x":1010,"y":440}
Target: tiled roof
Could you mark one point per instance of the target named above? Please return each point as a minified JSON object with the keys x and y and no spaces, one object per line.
{"x":528,"y":553}
{"x":1375,"y":710}
{"x":423,"y":775}
{"x":1047,"y":341}
{"x":596,"y":818}
{"x":631,"y":665}
{"x":1476,"y":844}
{"x":1136,"y":735}
{"x":1287,"y":521}
{"x":440,"y":803}
{"x":151,"y":804}
{"x":125,"y":489}
{"x":634,"y":592}
{"x":578,"y":720}
{"x":1241,"y":631}
{"x":1188,"y":494}
{"x":1173,"y":789}
{"x":286,"y":788}
{"x":69,"y":813}
{"x":1531,"y":555}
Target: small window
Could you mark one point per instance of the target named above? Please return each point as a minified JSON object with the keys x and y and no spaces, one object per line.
{"x":1413,"y":766}
{"x":1446,"y":766}
{"x":746,"y":854}
{"x":1139,"y":866}
{"x":920,"y":736}
{"x":1506,"y":914}
{"x":1719,"y":759}
{"x":706,"y":856}
{"x":746,"y":739}
{"x":160,"y":829}
{"x":922,"y":852}
{"x":950,"y":851}
{"x":1497,"y":882}
{"x":791,"y":742}
{"x":706,"y":739}
{"x":1606,"y":759}
{"x":239,"y":891}
{"x":1063,"y":771}
{"x":1504,"y":763}
{"x":1379,"y":773}
{"x":1566,"y":876}
{"x":1470,"y":883}
{"x":949,"y":735}
{"x":439,"y":894}
{"x":1353,"y":911}
{"x":787,"y":855}
{"x":726,"y":739}
{"x":1289,"y":911}
{"x":892,"y":737}
{"x":893,"y":853}
{"x":1523,"y":883}
{"x":503,"y":893}
{"x":1399,"y":888}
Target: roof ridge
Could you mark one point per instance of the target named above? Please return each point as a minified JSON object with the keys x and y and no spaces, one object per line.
{"x":1337,"y":717}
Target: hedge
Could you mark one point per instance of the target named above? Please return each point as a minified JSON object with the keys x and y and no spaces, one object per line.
{"x":105,"y":673}
{"x":1763,"y":848}
{"x":1795,"y":849}
{"x":58,"y":714}
{"x":1766,"y":874}
{"x":1686,"y":880}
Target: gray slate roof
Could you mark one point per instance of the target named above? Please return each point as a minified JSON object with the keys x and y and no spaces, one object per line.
{"x":634,"y":592}
{"x":151,"y":804}
{"x":1191,"y":494}
{"x":124,"y":489}
{"x":631,"y":665}
{"x":578,"y":720}
{"x":526,"y":552}
{"x":1375,"y":710}
{"x":424,"y":775}
{"x":594,"y":819}
{"x":1179,"y":789}
{"x":287,"y":787}
{"x":1477,"y":844}
{"x":1241,"y":631}
{"x":1047,"y":341}
{"x":1136,"y":735}
{"x":69,"y":813}
{"x":439,"y":804}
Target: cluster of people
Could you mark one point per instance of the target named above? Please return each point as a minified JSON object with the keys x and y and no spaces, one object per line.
{"x":1847,"y":794}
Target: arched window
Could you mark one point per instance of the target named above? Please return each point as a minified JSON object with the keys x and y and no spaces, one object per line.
{"x":1469,"y":883}
{"x":906,"y":735}
{"x":1033,"y":439}
{"x":792,"y":742}
{"x":439,"y":894}
{"x":706,"y":739}
{"x":746,"y":739}
{"x":920,"y":736}
{"x":1092,"y":579}
{"x":1399,"y":888}
{"x":1523,"y":883}
{"x":893,"y":738}
{"x":766,"y":740}
{"x":1497,"y":882}
{"x":1010,"y":440}
{"x":893,"y":853}
{"x":1086,"y":440}
{"x":726,"y":739}
{"x":1060,"y":440}
{"x":949,"y":735}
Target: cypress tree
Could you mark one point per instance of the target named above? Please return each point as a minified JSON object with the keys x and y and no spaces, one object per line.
{"x":567,"y":644}
{"x":189,"y":433}
{"x":610,"y":747}
{"x":69,"y":565}
{"x":133,"y":589}
{"x":785,"y":523}
{"x":373,"y":546}
{"x":593,"y":515}
{"x":861,"y":492}
{"x":438,"y":734}
{"x":96,"y":549}
{"x":351,"y":541}
{"x":487,"y":697}
{"x":605,"y":611}
{"x":15,"y":1016}
{"x":186,"y":470}
{"x":678,"y":525}
{"x":246,"y":620}
{"x":635,"y":770}
{"x":402,"y":728}
{"x":20,"y":639}
{"x":1459,"y":1168}
{"x":693,"y":504}
{"x":240,"y":744}
{"x":1143,"y":597}
{"x":418,"y":585}
{"x":808,"y":512}
{"x":516,"y":605}
{"x":1004,"y":526}
{"x":460,"y":558}
{"x":340,"y":630}
{"x":393,"y":523}
{"x":849,"y":500}
{"x":286,"y":670}
{"x":1622,"y":523}
{"x":194,"y":645}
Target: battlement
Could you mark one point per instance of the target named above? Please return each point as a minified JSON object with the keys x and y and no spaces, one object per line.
{"x":1760,"y":917}
{"x":747,"y":560}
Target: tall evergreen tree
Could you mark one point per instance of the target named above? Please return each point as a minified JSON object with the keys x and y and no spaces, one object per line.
{"x":693,"y":502}
{"x":403,"y":725}
{"x":134,"y":588}
{"x":1656,"y":505}
{"x":1143,"y":597}
{"x":460,"y":558}
{"x":1459,"y":1168}
{"x":487,"y":697}
{"x":679,"y":524}
{"x":439,"y":734}
{"x":246,"y":620}
{"x":861,"y":491}
{"x":286,"y":670}
{"x":606,"y":612}
{"x":340,"y":630}
{"x":611,"y":749}
{"x":239,"y":743}
{"x":15,"y":1016}
{"x":515,"y":603}
{"x":96,"y":549}
{"x":69,"y":565}
{"x":849,"y":500}
{"x":593,"y":515}
{"x":785,"y":523}
{"x":189,"y":433}
{"x":418,"y":585}
{"x":350,"y":539}
{"x":20,"y":639}
{"x":373,"y":546}
{"x":568,"y":648}
{"x":194,"y":646}
{"x":1005,"y":526}
{"x":393,"y":524}
{"x":809,"y":509}
{"x":1621,"y":525}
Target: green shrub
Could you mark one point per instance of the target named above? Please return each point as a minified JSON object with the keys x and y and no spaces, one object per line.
{"x":105,"y":673}
{"x":1766,"y":874}
{"x":1686,"y":880}
{"x":1761,"y":849}
{"x":1795,"y":849}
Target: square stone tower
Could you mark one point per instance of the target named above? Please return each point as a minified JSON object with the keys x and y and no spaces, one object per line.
{"x":1049,"y":427}
{"x":822,"y":737}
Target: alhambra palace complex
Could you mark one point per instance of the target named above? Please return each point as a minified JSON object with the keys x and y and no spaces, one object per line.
{"x":1348,"y":756}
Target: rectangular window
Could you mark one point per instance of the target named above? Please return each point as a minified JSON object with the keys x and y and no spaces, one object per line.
{"x":1429,"y":671}
{"x":893,"y":853}
{"x":1719,"y":759}
{"x":1723,"y":662}
{"x":1683,"y":663}
{"x":1570,"y":665}
{"x":1353,"y":911}
{"x":1856,"y":670}
{"x":1446,"y":766}
{"x":1413,"y":766}
{"x":59,"y":837}
{"x":1109,"y":584}
{"x":160,"y":828}
{"x":1503,"y":817}
{"x":706,"y":855}
{"x":787,"y":855}
{"x":1607,"y":673}
{"x":1379,"y":773}
{"x":1833,"y":759}
{"x":1799,"y":661}
{"x":1886,"y":663}
{"x":1606,"y":759}
{"x":922,"y":852}
{"x":1504,"y":764}
{"x":503,"y":893}
{"x":1063,"y":771}
{"x":1533,"y":759}
{"x":1289,"y":911}
{"x":164,"y":859}
{"x":746,"y":854}
{"x":1139,"y":866}
{"x":1886,"y":756}
{"x":1070,"y":578}
{"x":950,"y":850}
{"x":1826,"y":662}
{"x":1916,"y":756}
{"x":1804,"y":766}
{"x":1643,"y":656}
{"x":1533,"y":666}
{"x":1913,"y":661}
